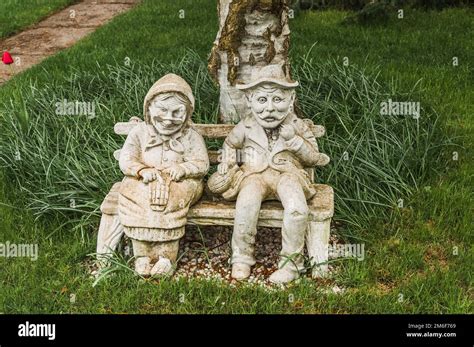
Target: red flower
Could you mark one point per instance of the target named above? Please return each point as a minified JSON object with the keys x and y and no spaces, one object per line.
{"x":7,"y":58}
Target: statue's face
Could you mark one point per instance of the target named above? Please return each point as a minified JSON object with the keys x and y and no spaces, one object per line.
{"x":167,"y":115}
{"x":270,"y":104}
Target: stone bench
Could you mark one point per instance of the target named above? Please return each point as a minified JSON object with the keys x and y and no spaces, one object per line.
{"x":212,"y":211}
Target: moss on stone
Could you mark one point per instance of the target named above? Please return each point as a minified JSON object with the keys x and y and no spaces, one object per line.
{"x":233,"y":32}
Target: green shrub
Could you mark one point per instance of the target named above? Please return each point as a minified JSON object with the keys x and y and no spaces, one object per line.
{"x":376,"y":159}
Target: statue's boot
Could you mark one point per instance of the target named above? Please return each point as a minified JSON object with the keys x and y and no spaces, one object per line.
{"x":284,"y":275}
{"x":143,"y":266}
{"x":162,"y":267}
{"x":167,"y":254}
{"x":155,"y":258}
{"x":240,"y":271}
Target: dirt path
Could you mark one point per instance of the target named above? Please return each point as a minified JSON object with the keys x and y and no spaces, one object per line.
{"x":57,"y":32}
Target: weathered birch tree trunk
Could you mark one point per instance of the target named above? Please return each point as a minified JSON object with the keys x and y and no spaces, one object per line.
{"x":252,"y":34}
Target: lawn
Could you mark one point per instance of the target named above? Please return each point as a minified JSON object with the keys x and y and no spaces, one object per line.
{"x":418,"y":258}
{"x":16,"y":15}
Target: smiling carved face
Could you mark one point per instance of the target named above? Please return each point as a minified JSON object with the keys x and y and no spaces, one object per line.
{"x":270,"y":104}
{"x":168,"y":113}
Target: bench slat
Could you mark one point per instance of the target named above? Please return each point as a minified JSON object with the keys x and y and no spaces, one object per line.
{"x":268,"y":223}
{"x":213,"y":156}
{"x":220,"y":212}
{"x":207,"y":212}
{"x":210,"y":131}
{"x":123,"y":128}
{"x":214,"y":131}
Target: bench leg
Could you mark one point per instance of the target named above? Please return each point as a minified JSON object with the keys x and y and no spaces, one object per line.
{"x":110,"y":234}
{"x":317,"y":243}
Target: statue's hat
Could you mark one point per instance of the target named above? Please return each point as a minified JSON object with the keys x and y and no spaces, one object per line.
{"x":269,"y":74}
{"x":168,"y":83}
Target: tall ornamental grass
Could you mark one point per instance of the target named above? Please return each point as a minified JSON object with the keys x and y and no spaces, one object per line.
{"x":64,"y":165}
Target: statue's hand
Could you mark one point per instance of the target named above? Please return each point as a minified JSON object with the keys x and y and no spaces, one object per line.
{"x":148,"y":175}
{"x":287,"y":132}
{"x":176,"y":172}
{"x":223,"y":168}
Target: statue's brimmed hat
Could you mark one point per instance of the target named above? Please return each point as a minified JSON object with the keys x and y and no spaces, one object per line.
{"x":269,"y":74}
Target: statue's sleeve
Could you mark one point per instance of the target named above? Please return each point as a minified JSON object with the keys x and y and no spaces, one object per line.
{"x":196,"y":159}
{"x":304,"y":145}
{"x":130,"y":160}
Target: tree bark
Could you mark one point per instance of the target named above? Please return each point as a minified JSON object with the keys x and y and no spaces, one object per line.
{"x":252,"y":34}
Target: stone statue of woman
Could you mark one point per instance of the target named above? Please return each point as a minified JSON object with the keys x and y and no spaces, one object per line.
{"x":164,"y":161}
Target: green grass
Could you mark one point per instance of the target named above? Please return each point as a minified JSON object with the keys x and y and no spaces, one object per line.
{"x":387,"y":157}
{"x":410,"y":251}
{"x":15,"y":15}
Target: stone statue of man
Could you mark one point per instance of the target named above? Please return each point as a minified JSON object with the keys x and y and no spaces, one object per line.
{"x":274,"y":147}
{"x":164,"y":161}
